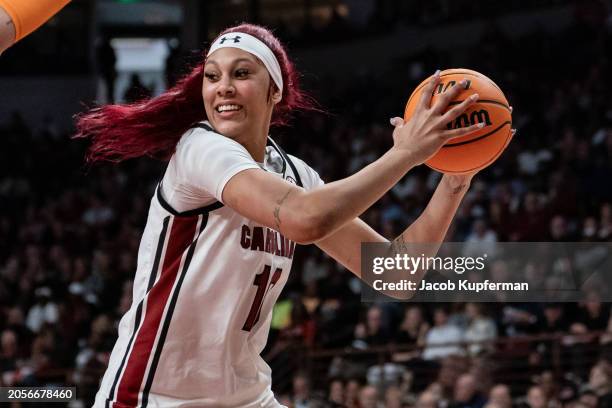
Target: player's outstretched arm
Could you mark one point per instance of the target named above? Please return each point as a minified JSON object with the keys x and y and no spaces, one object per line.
{"x":7,"y":30}
{"x":309,"y":216}
{"x":430,"y":227}
{"x":344,"y":246}
{"x":18,"y":18}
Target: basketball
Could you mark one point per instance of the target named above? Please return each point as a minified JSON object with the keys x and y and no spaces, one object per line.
{"x":477,"y":150}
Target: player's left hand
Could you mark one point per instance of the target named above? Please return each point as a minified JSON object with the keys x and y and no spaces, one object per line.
{"x":458,"y":182}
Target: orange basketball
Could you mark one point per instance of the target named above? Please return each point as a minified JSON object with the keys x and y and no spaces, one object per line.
{"x":479,"y":149}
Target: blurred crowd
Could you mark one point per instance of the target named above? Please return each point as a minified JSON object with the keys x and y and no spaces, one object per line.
{"x":352,"y":19}
{"x":70,"y":236}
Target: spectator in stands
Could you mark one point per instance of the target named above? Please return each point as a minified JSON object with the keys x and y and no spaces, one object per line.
{"x":336,"y":393}
{"x":589,"y":399}
{"x":531,"y":219}
{"x":44,"y":359}
{"x":592,"y":314}
{"x":373,"y":332}
{"x":500,"y":397}
{"x":482,"y":240}
{"x":393,"y":397}
{"x":382,"y":375}
{"x":520,"y":319}
{"x":93,"y":358}
{"x":589,"y":230}
{"x":480,"y":329}
{"x":536,"y":397}
{"x":352,"y":393}
{"x":605,"y":221}
{"x":412,"y":331}
{"x":551,"y":321}
{"x":441,"y":339}
{"x":568,"y":389}
{"x":368,"y":397}
{"x":15,"y":322}
{"x":548,"y":384}
{"x":559,"y":230}
{"x":466,"y":394}
{"x":284,"y":399}
{"x":8,"y":357}
{"x":315,"y":268}
{"x":483,"y":368}
{"x":427,"y":399}
{"x":600,"y":382}
{"x":301,"y":390}
{"x":43,"y":311}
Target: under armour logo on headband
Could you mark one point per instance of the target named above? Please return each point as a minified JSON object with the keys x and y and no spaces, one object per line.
{"x":255,"y":46}
{"x":236,"y":39}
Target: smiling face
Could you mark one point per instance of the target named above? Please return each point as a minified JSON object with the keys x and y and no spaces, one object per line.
{"x":238,"y":93}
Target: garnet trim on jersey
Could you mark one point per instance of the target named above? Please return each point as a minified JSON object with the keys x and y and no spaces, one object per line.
{"x":160,"y":246}
{"x":147,"y":338}
{"x":190,"y":213}
{"x":166,"y":325}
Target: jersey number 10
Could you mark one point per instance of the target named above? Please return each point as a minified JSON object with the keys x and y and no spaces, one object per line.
{"x":261,"y":281}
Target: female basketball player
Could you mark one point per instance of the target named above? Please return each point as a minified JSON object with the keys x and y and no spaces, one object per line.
{"x":221,"y":232}
{"x":19,"y":18}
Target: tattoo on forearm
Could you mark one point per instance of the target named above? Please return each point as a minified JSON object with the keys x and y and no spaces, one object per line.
{"x":458,"y":189}
{"x":399,"y":244}
{"x":278,"y":208}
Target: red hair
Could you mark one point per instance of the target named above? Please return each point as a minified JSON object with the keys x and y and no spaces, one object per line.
{"x":154,"y":126}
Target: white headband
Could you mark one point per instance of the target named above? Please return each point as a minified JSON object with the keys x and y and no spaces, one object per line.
{"x":255,"y":46}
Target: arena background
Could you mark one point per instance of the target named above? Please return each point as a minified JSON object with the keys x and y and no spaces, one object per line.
{"x":69,"y":235}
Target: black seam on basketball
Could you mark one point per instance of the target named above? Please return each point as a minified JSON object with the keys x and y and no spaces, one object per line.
{"x":479,"y":137}
{"x":471,"y":74}
{"x":484,"y":101}
{"x":453,"y":73}
{"x":482,"y":166}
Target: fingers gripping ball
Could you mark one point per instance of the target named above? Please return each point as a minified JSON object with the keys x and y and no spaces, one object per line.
{"x":477,"y":150}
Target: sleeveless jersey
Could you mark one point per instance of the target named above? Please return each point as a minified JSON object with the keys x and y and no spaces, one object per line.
{"x":205,"y":285}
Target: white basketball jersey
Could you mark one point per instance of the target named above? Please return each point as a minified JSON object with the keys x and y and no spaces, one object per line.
{"x":206,"y":281}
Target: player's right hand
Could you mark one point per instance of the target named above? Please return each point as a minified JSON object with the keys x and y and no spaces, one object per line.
{"x":425,"y":133}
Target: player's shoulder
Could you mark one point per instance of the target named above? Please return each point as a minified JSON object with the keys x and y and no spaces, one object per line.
{"x":309,"y":176}
{"x":298,"y":162}
{"x":202,"y":136}
{"x":201,"y":132}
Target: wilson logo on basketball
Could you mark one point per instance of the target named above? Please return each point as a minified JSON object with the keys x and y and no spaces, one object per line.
{"x":443,"y":87}
{"x":468,"y":119}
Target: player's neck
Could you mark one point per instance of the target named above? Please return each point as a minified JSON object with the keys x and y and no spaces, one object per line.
{"x":257,"y":147}
{"x":255,"y":142}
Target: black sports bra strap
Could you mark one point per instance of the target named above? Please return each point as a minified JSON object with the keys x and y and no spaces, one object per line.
{"x":298,"y":179}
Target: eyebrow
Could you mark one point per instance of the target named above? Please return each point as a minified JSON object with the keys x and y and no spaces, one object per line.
{"x":212,"y":61}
